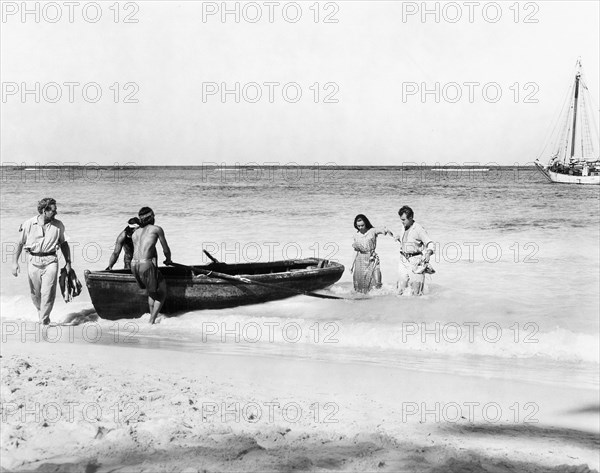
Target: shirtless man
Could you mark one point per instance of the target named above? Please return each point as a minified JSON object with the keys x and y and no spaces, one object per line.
{"x":416,"y":249}
{"x":143,"y":264}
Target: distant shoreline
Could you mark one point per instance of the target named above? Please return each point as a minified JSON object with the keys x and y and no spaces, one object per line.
{"x":432,"y":167}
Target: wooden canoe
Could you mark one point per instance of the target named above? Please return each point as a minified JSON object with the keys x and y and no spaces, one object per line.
{"x":116,"y":295}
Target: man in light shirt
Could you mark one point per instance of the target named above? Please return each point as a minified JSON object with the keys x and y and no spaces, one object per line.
{"x":415,"y":250}
{"x":42,"y":236}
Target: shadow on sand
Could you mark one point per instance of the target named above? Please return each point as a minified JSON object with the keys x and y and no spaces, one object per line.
{"x":306,"y":452}
{"x":590,"y":409}
{"x":565,"y":436}
{"x":81,"y":317}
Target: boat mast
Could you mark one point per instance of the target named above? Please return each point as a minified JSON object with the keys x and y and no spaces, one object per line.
{"x":577,"y":77}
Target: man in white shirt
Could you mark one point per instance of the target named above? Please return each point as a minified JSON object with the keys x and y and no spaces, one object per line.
{"x":41,"y":237}
{"x":416,"y":249}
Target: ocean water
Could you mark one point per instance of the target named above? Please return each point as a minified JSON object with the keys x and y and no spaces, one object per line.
{"x":515,"y":293}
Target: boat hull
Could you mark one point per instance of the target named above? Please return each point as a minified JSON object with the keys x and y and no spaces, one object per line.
{"x":116,"y":295}
{"x":568,"y":178}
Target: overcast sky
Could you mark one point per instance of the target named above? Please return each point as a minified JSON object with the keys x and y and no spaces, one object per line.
{"x":496,"y":74}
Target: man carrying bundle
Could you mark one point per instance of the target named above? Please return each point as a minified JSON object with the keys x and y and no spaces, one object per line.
{"x":144,"y":265}
{"x":416,"y":249}
{"x":42,"y":236}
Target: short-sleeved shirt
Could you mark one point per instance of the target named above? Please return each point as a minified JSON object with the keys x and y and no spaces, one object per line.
{"x":415,"y":239}
{"x":45,"y":238}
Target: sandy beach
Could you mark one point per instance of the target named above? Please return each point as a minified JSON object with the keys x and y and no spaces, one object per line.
{"x":119,"y":407}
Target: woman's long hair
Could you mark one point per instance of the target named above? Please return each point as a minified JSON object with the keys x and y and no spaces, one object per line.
{"x":364,"y":219}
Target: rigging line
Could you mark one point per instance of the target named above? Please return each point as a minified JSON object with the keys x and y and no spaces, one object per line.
{"x":563,"y":137}
{"x":595,"y":105}
{"x":566,"y":145}
{"x":591,"y":116}
{"x":586,"y":134}
{"x":566,"y":134}
{"x":552,"y":128}
{"x":595,"y":139}
{"x":589,"y":136}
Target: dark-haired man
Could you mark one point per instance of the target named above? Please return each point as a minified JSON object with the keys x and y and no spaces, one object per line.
{"x":143,"y":264}
{"x":125,"y":243}
{"x":415,"y":250}
{"x":42,"y":236}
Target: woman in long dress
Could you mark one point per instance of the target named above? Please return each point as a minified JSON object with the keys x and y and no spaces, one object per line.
{"x":365,"y":269}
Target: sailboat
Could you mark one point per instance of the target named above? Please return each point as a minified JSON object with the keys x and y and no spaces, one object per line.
{"x":575,"y":157}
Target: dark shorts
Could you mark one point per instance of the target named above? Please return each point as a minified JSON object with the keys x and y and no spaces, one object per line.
{"x":147,"y":276}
